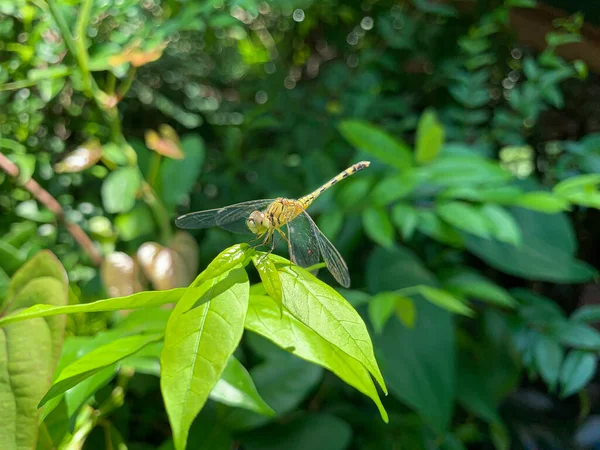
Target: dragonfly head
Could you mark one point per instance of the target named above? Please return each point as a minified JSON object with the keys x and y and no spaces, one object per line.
{"x":258,"y":223}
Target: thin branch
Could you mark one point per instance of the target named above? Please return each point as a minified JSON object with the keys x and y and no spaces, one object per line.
{"x":44,"y":197}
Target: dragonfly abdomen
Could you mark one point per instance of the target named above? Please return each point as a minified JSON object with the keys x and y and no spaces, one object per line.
{"x":308,"y":199}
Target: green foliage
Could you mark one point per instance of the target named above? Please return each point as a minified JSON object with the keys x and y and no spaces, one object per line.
{"x":468,"y":239}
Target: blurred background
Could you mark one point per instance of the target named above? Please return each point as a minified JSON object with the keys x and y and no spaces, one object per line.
{"x":482,"y":123}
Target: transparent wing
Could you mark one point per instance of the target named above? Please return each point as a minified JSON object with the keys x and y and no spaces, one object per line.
{"x":334,"y":261}
{"x":232,"y":218}
{"x":304,"y":244}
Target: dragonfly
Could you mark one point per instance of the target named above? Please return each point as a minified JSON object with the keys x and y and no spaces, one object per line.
{"x":266,"y":218}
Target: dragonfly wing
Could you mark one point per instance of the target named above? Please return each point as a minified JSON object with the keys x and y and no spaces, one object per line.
{"x":232,"y":218}
{"x":334,"y":261}
{"x":304,"y":244}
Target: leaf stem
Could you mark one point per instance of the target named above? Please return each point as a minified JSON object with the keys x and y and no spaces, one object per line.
{"x":159,"y":211}
{"x":154,"y":168}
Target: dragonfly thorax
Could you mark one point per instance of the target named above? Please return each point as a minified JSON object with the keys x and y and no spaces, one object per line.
{"x":258,"y":223}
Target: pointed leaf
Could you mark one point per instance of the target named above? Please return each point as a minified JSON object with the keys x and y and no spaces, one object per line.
{"x":502,"y":225}
{"x":327,"y":313}
{"x":376,"y":142}
{"x":444,"y":300}
{"x":381,"y":308}
{"x":405,"y":311}
{"x":405,"y":217}
{"x":139,"y":300}
{"x":270,"y":278}
{"x":577,"y":370}
{"x":378,"y":226}
{"x":236,"y":388}
{"x":465,"y":217}
{"x":430,"y":137}
{"x":548,"y":359}
{"x":289,"y":333}
{"x":198,"y":343}
{"x":97,"y":360}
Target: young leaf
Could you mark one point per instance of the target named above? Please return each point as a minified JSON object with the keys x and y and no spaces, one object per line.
{"x":430,"y":137}
{"x":465,"y":217}
{"x":139,"y":300}
{"x":236,"y":388}
{"x":327,"y":313}
{"x":544,"y":202}
{"x":548,"y":359}
{"x":471,"y":284}
{"x":376,"y":142}
{"x":290,"y":333}
{"x":95,"y":361}
{"x":378,"y":226}
{"x":444,"y":300}
{"x":405,"y":217}
{"x":381,"y":308}
{"x":120,"y":188}
{"x":198,"y":343}
{"x":502,"y":225}
{"x":405,"y":311}
{"x":577,"y":370}
{"x":270,"y":278}
{"x":587,"y":313}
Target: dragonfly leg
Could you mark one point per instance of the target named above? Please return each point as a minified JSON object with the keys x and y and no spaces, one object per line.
{"x":273,"y":244}
{"x":287,"y":240}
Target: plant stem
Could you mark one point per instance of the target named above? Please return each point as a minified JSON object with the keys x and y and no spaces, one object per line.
{"x":159,"y":211}
{"x":82,"y":53}
{"x":320,"y":265}
{"x":154,"y":168}
{"x":44,"y":197}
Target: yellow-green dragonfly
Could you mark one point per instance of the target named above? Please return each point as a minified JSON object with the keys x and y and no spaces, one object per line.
{"x":264,"y":218}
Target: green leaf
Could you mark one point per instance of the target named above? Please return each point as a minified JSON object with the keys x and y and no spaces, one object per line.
{"x":430,"y":225}
{"x":135,"y":223}
{"x":393,"y":188}
{"x":430,"y":137}
{"x":471,"y":284}
{"x":405,"y":311}
{"x":322,"y":309}
{"x":406,"y":218}
{"x":198,"y":343}
{"x":376,"y":142}
{"x":139,"y":300}
{"x":289,"y":333}
{"x":575,"y":334}
{"x":381,"y":308}
{"x":444,"y":300}
{"x":501,"y":224}
{"x":546,"y":252}
{"x":97,"y":360}
{"x":236,"y":388}
{"x":464,"y":217}
{"x":10,"y":257}
{"x":283,"y":380}
{"x":419,"y":365}
{"x":270,"y":278}
{"x":225,"y":261}
{"x":315,"y":431}
{"x":120,"y":188}
{"x":378,"y":226}
{"x":541,"y":201}
{"x":178,"y":176}
{"x":577,"y":370}
{"x":30,"y":351}
{"x":460,"y":170}
{"x":548,"y":359}
{"x":587,"y":313}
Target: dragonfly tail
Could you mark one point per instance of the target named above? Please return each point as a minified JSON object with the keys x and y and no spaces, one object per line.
{"x":308,"y":199}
